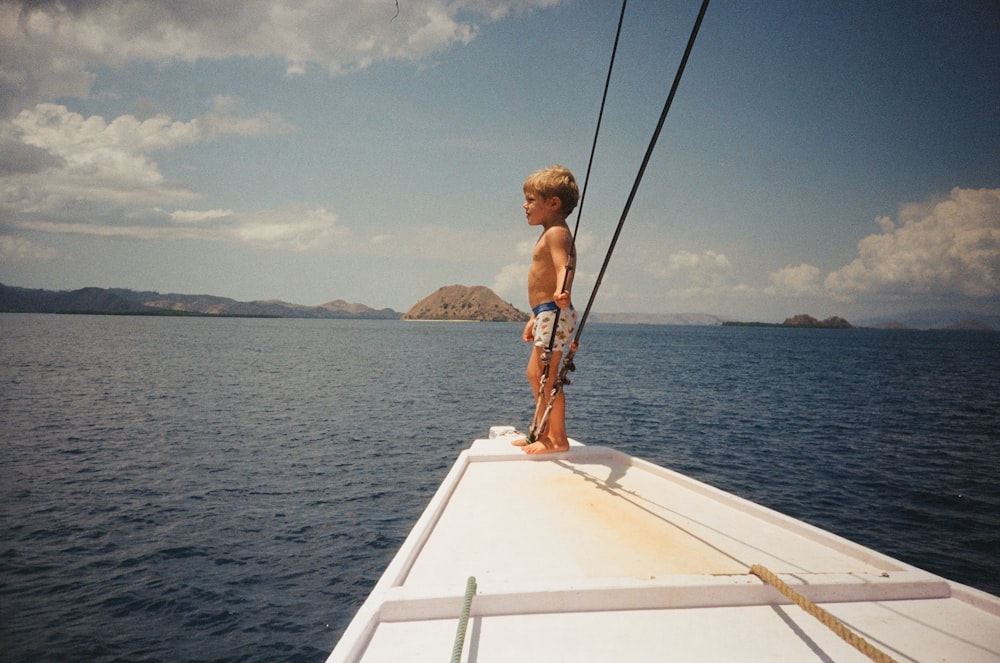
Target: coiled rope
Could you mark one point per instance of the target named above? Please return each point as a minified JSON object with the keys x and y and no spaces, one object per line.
{"x":828,"y":620}
{"x":463,"y":620}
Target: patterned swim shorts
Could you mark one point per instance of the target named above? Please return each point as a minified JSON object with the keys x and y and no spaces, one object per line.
{"x":542,"y":329}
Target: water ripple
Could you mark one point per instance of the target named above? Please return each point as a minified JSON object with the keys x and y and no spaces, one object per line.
{"x":222,"y":490}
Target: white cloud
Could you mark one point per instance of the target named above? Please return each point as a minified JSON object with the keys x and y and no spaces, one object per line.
{"x":694,"y":265}
{"x":292,"y":229}
{"x":584,"y":241}
{"x":717,"y":291}
{"x":47,"y":49}
{"x":525,"y":248}
{"x":511,"y":281}
{"x":67,"y":158}
{"x":944,"y":249}
{"x":296,"y":229}
{"x":63,"y":172}
{"x":795,"y":281}
{"x":200,"y":216}
{"x":16,"y":249}
{"x":949,"y":248}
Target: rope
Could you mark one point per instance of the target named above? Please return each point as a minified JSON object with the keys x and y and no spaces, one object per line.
{"x":600,"y":116}
{"x":463,"y":621}
{"x":828,"y":620}
{"x":642,"y":169}
{"x":568,"y":363}
{"x":539,"y":423}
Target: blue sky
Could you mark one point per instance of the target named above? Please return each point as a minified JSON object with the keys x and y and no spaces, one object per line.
{"x":824,"y":158}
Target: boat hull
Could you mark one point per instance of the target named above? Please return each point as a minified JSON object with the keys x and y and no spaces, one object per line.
{"x":592,"y":555}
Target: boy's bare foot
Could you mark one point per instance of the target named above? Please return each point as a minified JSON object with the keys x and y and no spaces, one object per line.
{"x":520,"y":442}
{"x":544,"y":446}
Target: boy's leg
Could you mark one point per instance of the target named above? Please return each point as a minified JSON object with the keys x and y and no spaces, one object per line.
{"x":554,"y":437}
{"x":534,"y":375}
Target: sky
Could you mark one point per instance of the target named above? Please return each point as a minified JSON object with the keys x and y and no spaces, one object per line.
{"x":822,"y":158}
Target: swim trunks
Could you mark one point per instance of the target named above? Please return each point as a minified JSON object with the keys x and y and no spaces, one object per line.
{"x":544,"y":306}
{"x":545,"y":314}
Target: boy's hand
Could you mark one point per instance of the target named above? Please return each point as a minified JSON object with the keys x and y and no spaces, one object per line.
{"x":529,"y":331}
{"x":562,"y":299}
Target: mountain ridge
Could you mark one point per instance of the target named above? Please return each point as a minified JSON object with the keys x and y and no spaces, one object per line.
{"x":125,"y":301}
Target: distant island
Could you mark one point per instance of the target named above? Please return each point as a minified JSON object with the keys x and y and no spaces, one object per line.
{"x":801,"y":320}
{"x":683,"y":319}
{"x":456,"y":302}
{"x":464,"y":303}
{"x":120,"y":301}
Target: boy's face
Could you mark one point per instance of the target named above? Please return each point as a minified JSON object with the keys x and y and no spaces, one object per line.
{"x":541,"y":211}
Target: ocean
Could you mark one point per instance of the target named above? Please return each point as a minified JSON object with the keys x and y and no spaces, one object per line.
{"x":230,"y":489}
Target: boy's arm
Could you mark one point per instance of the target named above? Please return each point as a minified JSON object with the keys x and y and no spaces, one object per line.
{"x":561,"y":251}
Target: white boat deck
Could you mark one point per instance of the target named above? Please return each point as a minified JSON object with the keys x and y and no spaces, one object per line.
{"x":590,"y":555}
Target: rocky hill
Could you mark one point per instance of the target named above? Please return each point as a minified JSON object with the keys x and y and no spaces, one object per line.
{"x":123,"y":301}
{"x":801,"y":320}
{"x":459,"y":302}
{"x":936,"y":319}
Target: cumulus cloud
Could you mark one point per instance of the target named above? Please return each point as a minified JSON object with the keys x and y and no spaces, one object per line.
{"x":525,"y":248}
{"x":511,"y":280}
{"x":720,"y":289}
{"x":294,"y":228}
{"x":48,"y":49}
{"x":61,"y":158}
{"x":796,"y":281}
{"x":63,"y":172}
{"x":17,"y":157}
{"x":699,"y":266}
{"x":944,"y":248}
{"x":16,"y":249}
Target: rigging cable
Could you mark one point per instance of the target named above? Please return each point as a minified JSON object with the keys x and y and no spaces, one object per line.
{"x":597,"y":130}
{"x":541,"y":417}
{"x":568,"y":360}
{"x":538,"y":424}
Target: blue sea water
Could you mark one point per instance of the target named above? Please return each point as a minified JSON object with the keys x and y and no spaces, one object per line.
{"x":201,"y":489}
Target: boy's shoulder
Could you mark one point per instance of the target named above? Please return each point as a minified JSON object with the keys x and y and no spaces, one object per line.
{"x":557,"y":232}
{"x":555,"y":240}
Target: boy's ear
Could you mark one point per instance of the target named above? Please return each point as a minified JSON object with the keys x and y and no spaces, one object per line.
{"x":555,"y":202}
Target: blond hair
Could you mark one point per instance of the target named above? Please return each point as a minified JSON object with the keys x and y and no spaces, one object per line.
{"x":555,"y":181}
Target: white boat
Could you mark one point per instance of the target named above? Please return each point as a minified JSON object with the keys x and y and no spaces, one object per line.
{"x":592,"y":555}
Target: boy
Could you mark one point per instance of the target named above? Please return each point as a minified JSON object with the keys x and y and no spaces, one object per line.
{"x":550,"y":195}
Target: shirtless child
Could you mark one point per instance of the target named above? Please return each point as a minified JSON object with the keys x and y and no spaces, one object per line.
{"x":550,"y":195}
